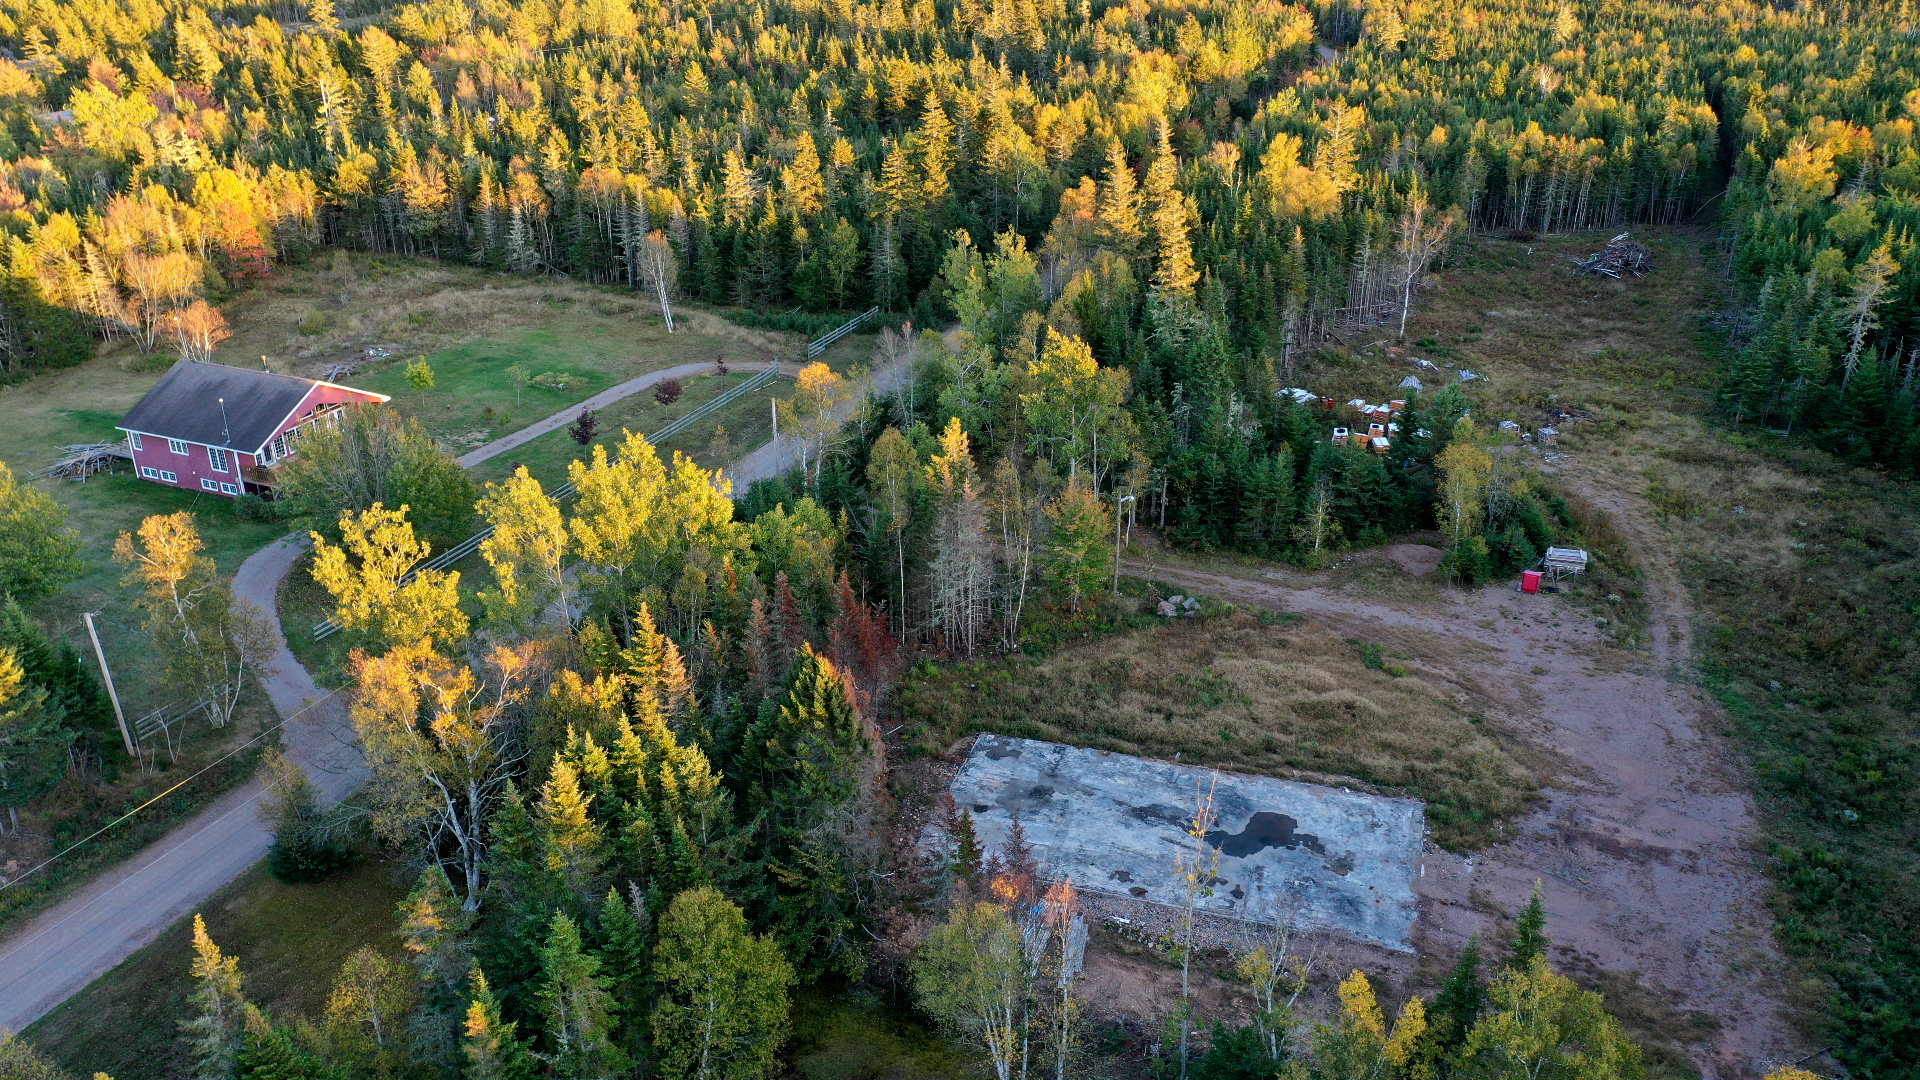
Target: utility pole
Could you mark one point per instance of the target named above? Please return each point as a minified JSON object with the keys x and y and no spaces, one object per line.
{"x":1118,"y":517}
{"x":775,"y":403}
{"x":106,"y":675}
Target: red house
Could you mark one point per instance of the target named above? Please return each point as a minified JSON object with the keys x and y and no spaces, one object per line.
{"x":221,"y":430}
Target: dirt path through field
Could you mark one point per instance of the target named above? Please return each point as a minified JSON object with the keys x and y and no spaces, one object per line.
{"x":1644,"y":839}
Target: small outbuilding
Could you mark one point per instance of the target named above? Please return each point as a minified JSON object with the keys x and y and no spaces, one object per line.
{"x":223,"y":430}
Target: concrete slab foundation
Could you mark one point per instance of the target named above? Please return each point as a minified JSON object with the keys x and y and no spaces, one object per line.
{"x":1116,"y":824}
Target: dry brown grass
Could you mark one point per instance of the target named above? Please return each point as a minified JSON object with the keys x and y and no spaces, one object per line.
{"x":304,"y":319}
{"x":1290,"y":700}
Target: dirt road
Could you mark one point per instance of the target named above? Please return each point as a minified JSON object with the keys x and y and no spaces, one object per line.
{"x":113,"y":916}
{"x":1645,"y":840}
{"x":776,"y":456}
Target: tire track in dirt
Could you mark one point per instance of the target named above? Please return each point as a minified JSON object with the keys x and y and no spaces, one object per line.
{"x":1644,"y":837}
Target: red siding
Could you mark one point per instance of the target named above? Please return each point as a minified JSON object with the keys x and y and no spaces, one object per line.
{"x":189,"y":468}
{"x":195,"y":466}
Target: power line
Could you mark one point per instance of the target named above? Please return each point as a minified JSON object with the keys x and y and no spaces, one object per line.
{"x":184,"y":781}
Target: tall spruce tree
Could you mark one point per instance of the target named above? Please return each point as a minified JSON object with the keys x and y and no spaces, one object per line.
{"x":216,"y":1029}
{"x":577,"y":1011}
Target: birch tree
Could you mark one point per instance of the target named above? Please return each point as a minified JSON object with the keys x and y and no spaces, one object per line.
{"x":1015,"y":503}
{"x":374,"y":598}
{"x":893,"y":472}
{"x":1420,"y":239}
{"x":528,"y":551}
{"x":962,"y":570}
{"x":722,"y":1004}
{"x":818,"y":407}
{"x":441,"y":745}
{"x":660,"y":272}
{"x":366,"y":1014}
{"x":1465,"y":470}
{"x":636,"y":519}
{"x":209,"y":642}
{"x":1074,"y":405}
{"x":971,"y":976}
{"x":1539,"y":1023}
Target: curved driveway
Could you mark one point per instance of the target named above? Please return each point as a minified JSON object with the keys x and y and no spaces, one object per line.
{"x":89,"y":933}
{"x":85,"y":936}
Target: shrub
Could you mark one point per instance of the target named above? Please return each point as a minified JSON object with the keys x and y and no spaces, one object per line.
{"x":308,"y":842}
{"x":1469,"y":563}
{"x":668,"y":392}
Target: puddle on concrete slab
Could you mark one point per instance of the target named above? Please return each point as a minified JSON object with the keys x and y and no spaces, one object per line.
{"x":1117,"y":824}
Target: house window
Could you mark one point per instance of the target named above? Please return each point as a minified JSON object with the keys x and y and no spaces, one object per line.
{"x":209,"y":485}
{"x":149,"y":472}
{"x":217,"y":458}
{"x":229,"y":489}
{"x":176,"y":446}
{"x":171,"y":478}
{"x":133,"y":440}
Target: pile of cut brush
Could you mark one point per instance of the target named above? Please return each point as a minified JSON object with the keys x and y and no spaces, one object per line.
{"x":85,"y":459}
{"x":1621,"y":256}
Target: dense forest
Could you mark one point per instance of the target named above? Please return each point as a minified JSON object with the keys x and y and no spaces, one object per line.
{"x":1184,"y":188}
{"x":1141,"y":217}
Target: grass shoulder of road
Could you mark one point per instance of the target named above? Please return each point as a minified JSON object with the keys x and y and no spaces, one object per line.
{"x":290,"y":940}
{"x":92,"y":798}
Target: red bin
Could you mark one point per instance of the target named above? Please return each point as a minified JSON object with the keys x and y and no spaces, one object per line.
{"x":1530,"y":581}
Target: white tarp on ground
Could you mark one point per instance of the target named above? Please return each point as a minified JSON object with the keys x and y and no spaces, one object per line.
{"x":1116,"y":824}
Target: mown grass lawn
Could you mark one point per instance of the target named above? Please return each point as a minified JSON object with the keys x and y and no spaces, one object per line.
{"x":474,"y":400}
{"x":547,"y":457}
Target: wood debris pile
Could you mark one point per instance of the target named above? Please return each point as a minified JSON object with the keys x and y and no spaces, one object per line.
{"x":1620,"y":257}
{"x":79,"y":461}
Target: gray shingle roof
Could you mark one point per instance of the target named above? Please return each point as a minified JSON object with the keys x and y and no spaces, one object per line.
{"x":185,"y":404}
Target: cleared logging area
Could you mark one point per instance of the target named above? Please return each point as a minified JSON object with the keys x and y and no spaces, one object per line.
{"x":1294,"y":700}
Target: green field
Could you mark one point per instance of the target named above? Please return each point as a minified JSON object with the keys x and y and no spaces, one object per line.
{"x":747,"y":421}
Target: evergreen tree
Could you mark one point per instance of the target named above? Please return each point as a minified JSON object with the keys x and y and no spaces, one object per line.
{"x":1529,"y":931}
{"x":624,"y":926}
{"x":434,"y":930}
{"x":1461,"y":999}
{"x":33,"y":740}
{"x":492,"y":1051}
{"x":269,"y":1053}
{"x":577,"y":1011}
{"x":1119,"y":212}
{"x":216,"y":1029}
{"x":813,"y":774}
